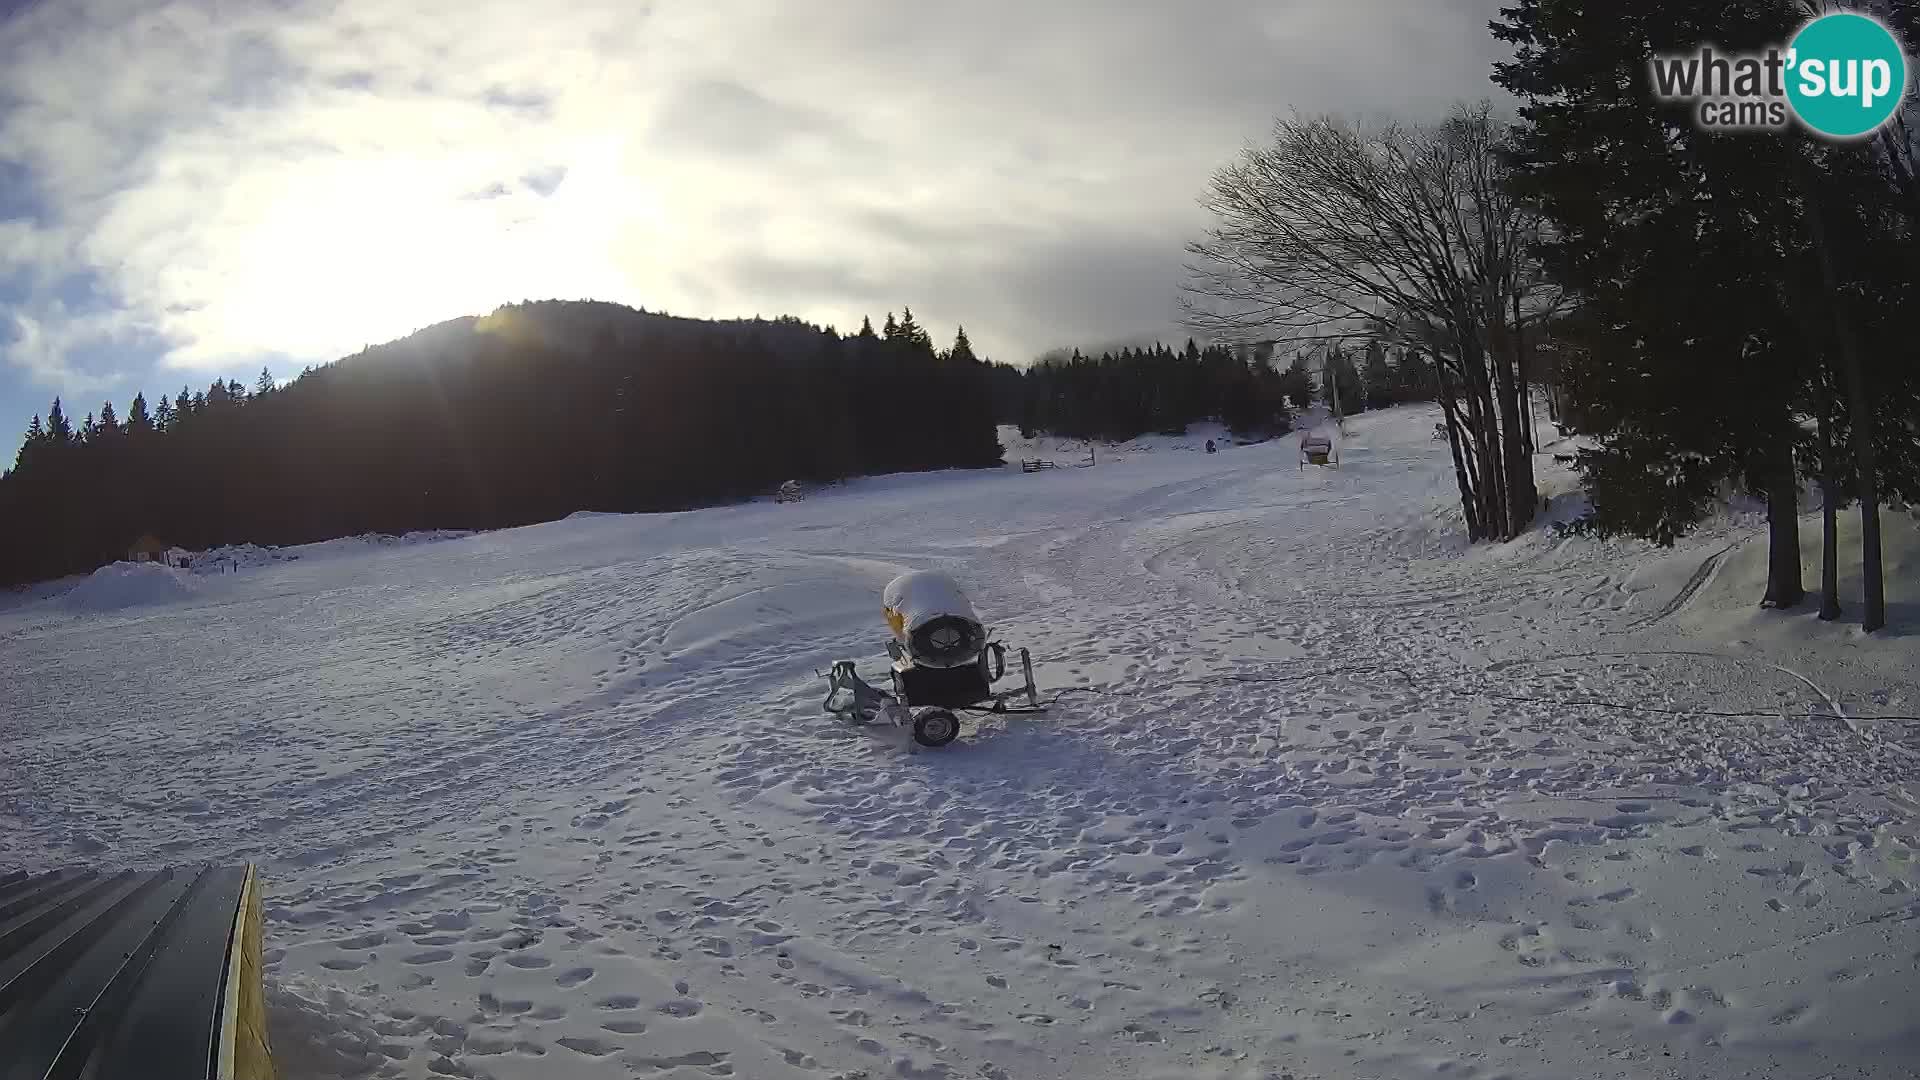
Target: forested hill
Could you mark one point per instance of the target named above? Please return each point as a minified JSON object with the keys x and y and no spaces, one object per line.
{"x":527,"y":414}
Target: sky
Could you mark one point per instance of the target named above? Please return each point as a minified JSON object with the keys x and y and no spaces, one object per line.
{"x":192,"y":190}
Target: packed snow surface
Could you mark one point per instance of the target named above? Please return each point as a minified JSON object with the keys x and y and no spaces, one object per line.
{"x":1343,"y":796}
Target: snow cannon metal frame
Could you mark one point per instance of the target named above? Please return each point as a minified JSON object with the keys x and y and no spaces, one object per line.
{"x":944,"y":662}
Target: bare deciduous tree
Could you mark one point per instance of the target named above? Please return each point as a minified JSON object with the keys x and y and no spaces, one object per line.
{"x":1409,"y":233}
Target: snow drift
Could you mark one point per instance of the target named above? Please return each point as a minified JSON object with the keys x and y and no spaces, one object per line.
{"x":125,"y":585}
{"x":250,"y":556}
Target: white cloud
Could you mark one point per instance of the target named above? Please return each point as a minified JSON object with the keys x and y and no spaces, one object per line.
{"x":303,"y":179}
{"x":46,"y":344}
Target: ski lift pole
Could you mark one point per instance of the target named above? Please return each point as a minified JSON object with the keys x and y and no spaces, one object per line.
{"x":1333,"y":390}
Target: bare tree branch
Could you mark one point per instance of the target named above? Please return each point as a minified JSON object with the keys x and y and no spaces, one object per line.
{"x":1408,"y":234}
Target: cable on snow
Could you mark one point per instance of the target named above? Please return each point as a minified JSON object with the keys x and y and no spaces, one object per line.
{"x":1411,"y":681}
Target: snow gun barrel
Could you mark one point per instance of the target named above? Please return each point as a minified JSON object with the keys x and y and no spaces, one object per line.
{"x":932,"y":621}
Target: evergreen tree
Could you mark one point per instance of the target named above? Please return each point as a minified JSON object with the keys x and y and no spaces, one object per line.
{"x":59,"y":430}
{"x":1414,"y":378}
{"x":109,"y":421}
{"x":1377,"y":377}
{"x":866,"y":329}
{"x":1134,"y":391}
{"x":35,"y":439}
{"x":891,"y":331}
{"x":1698,"y":357}
{"x":264,"y":384}
{"x":1343,"y":384}
{"x":962,"y":351}
{"x":138,"y":421}
{"x":1297,"y":384}
{"x":455,"y":429}
{"x":911,"y":332}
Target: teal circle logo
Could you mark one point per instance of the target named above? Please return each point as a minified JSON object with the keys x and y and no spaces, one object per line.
{"x":1846,"y":75}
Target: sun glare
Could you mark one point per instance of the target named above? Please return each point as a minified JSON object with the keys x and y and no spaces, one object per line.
{"x":361,"y":252}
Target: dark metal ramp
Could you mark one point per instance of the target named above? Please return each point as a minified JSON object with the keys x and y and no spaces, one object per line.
{"x":152,"y":975}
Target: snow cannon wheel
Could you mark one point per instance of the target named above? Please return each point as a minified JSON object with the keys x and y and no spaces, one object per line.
{"x":935,"y":727}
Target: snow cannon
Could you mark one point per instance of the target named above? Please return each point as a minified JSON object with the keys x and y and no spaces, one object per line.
{"x":931,"y":620}
{"x":944,"y":662}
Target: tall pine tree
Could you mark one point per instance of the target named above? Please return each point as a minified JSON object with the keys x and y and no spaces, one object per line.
{"x":1696,"y":371}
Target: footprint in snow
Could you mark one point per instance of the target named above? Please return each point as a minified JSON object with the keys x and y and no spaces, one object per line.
{"x":533,"y":960}
{"x":706,"y":1058}
{"x":625,"y":1027}
{"x":1791,"y":1014}
{"x":587,"y":1046}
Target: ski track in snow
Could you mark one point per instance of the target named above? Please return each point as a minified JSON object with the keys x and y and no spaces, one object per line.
{"x":560,"y":801}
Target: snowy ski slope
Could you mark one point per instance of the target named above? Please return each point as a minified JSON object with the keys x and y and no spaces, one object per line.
{"x":560,"y":801}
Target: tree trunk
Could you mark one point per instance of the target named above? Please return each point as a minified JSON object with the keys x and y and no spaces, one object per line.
{"x":1521,"y":496}
{"x":1494,"y":512}
{"x":1521,"y":356}
{"x":1784,"y":588}
{"x":1875,"y":601}
{"x":1829,"y":517}
{"x":1475,"y":531}
{"x":1871,"y":574}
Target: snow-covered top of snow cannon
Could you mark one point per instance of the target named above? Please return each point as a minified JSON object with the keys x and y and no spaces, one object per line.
{"x":932,"y":620}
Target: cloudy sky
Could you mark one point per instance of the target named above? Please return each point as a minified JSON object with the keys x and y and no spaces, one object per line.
{"x":192,"y":189}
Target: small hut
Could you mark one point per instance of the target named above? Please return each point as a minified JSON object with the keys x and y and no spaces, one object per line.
{"x":147,"y":549}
